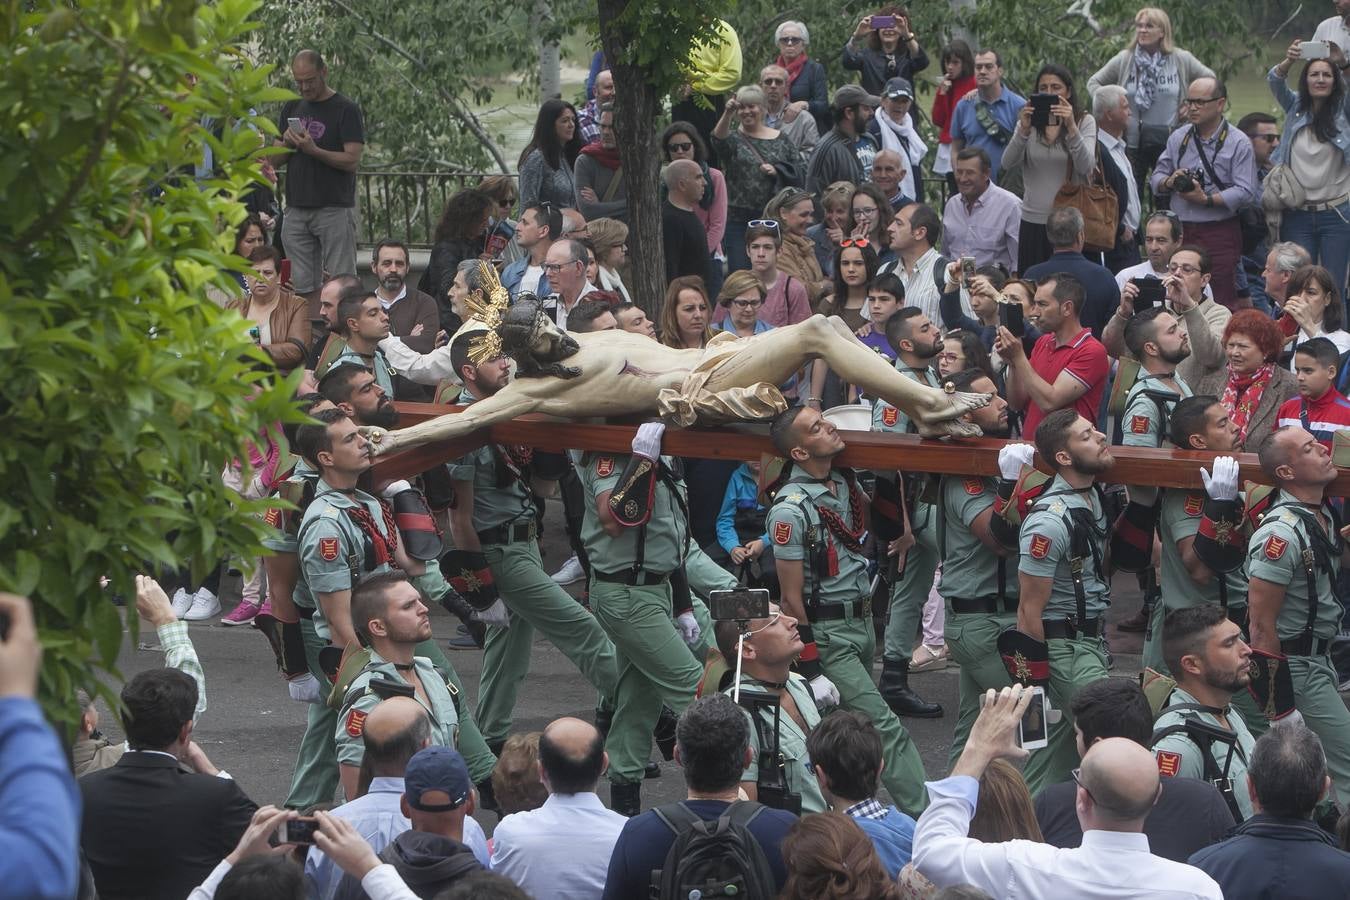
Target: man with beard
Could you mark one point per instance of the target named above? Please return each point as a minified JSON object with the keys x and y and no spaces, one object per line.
{"x":916,"y":342}
{"x":979,"y":573}
{"x":1211,"y":664}
{"x":496,"y":555}
{"x":324,"y":329}
{"x":363,"y":323}
{"x":413,"y":315}
{"x":1063,"y":587}
{"x":1293,"y":561}
{"x":615,"y":373}
{"x":817,"y":526}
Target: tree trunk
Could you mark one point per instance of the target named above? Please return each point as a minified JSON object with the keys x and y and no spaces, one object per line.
{"x":550,"y":75}
{"x":636,"y":108}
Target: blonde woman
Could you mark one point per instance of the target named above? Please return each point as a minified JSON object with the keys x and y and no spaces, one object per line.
{"x":837,"y":202}
{"x":609,"y":237}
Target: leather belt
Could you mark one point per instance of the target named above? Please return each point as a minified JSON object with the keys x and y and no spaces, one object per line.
{"x":827,"y":612}
{"x":983,"y":605}
{"x":510,"y":533}
{"x":639,"y":578}
{"x":1325,"y":204}
{"x":1305,"y":646}
{"x":1068,"y":628}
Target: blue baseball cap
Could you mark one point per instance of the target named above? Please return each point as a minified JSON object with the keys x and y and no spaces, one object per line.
{"x":438,"y":771}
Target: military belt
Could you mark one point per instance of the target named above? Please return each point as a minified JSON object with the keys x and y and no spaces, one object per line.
{"x":639,"y":578}
{"x":983,"y":605}
{"x":510,"y":533}
{"x":1305,"y":645}
{"x":1070,"y":628}
{"x":826,"y":612}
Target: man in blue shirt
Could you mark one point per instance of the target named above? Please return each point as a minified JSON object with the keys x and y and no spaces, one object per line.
{"x":1064,"y":230}
{"x":712,"y":744}
{"x":986,"y":118}
{"x":846,"y":752}
{"x":40,"y":801}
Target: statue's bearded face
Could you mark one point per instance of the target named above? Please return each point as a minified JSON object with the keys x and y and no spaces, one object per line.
{"x":549,"y":343}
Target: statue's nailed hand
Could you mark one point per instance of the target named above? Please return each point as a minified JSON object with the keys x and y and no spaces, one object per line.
{"x":380,"y":440}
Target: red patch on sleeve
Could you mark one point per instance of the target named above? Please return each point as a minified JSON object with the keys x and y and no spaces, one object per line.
{"x":328,"y":548}
{"x":974,"y":487}
{"x":1169,"y":763}
{"x":1040,"y":546}
{"x":604,"y":466}
{"x":782,"y":532}
{"x":273,"y":517}
{"x":1275,"y":547}
{"x":889,"y":416}
{"x":356,"y":723}
{"x":1194,"y":504}
{"x":1139,"y":424}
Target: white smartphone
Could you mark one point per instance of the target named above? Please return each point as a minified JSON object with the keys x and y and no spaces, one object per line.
{"x":1032,"y":732}
{"x":294,"y":124}
{"x":1314,"y":50}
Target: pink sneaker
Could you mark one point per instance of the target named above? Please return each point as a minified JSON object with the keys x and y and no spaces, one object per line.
{"x":243,"y":614}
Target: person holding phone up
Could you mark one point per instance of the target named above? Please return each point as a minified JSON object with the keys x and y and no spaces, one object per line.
{"x":882,"y":47}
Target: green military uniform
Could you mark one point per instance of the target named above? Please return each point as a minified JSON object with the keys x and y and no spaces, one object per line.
{"x":801,"y":776}
{"x":504,"y":517}
{"x":361,"y":698}
{"x":910,"y":591}
{"x":631,"y":597}
{"x":1075,"y":647}
{"x":1280,"y":552}
{"x":377,"y":363}
{"x":979,"y":588}
{"x":1179,"y":754}
{"x":835,"y":593}
{"x":705,"y":576}
{"x":1144,"y":422}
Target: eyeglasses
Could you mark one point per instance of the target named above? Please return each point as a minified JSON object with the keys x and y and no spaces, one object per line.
{"x":864,"y":211}
{"x":746,"y":304}
{"x":680,"y":146}
{"x":856,"y":242}
{"x":950,"y":357}
{"x":772,"y":82}
{"x":1078,"y":780}
{"x":1183,"y":268}
{"x":789,"y":39}
{"x":1201,"y":101}
{"x":771,"y":224}
{"x":557,"y":267}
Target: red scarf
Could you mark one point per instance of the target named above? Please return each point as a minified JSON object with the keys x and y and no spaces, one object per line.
{"x":605,"y":156}
{"x":794,"y":68}
{"x":1242,"y":395}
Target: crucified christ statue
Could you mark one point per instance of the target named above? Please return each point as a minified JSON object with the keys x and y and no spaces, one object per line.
{"x":617,"y":373}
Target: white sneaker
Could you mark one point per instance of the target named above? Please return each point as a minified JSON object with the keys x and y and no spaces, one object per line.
{"x":571,"y":571}
{"x":181,"y":603}
{"x":204,"y":606}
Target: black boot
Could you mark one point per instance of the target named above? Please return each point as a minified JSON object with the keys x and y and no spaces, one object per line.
{"x":899,"y":696}
{"x":664,"y":733}
{"x":625,"y":798}
{"x":651,"y":770}
{"x":603,"y":719}
{"x":459,"y":607}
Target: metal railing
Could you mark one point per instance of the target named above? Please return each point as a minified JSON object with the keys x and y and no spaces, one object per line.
{"x":406,"y":205}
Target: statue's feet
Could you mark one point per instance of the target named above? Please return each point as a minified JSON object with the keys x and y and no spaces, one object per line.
{"x":382,"y":440}
{"x":944,"y":406}
{"x":948,"y":428}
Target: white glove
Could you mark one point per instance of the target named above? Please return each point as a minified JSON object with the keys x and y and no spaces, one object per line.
{"x":689,"y":629}
{"x":496,"y":614}
{"x":1223,"y":484}
{"x":395,"y":488}
{"x":1012,"y":459}
{"x":824,"y":692}
{"x":647,"y":441}
{"x":1293,"y":720}
{"x":305,"y":689}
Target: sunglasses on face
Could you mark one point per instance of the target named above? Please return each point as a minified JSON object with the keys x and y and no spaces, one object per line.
{"x":680,"y":146}
{"x":773,"y":82}
{"x":856,"y":242}
{"x":789,"y":40}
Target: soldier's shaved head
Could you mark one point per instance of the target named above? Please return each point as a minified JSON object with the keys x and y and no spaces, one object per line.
{"x":1120,"y":778}
{"x":571,"y":756}
{"x":395,"y":730}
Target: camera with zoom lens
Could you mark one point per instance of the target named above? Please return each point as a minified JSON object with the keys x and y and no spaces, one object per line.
{"x":1185,"y":181}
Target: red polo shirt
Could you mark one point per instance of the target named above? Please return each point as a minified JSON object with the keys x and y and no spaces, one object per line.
{"x":1084,"y":358}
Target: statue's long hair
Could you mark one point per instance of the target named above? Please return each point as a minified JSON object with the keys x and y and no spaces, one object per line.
{"x":518,"y":329}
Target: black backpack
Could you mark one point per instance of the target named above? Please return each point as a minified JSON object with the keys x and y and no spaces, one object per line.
{"x":713,"y":858}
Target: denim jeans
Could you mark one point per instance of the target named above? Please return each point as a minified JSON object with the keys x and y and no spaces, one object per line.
{"x":1325,"y":234}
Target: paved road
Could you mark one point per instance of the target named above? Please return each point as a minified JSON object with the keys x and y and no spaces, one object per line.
{"x":251,"y":727}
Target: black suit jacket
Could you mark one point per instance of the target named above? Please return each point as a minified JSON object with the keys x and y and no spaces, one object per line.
{"x":1125,"y":253}
{"x":153,"y":830}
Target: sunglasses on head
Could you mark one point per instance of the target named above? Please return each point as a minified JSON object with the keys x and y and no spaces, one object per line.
{"x":763,"y":223}
{"x":855,"y":242}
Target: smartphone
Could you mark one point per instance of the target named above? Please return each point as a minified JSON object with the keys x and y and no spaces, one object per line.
{"x":967,"y":269}
{"x":1314,"y":50}
{"x":1041,"y":104}
{"x":1032,"y":732}
{"x":738,"y":604}
{"x":880,"y":22}
{"x":285,"y":272}
{"x":1151,"y":293}
{"x":294,"y":124}
{"x":297,"y":831}
{"x":1010,"y":317}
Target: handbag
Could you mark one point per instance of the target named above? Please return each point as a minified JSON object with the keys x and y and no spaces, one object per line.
{"x":1096,"y":201}
{"x":786,"y":175}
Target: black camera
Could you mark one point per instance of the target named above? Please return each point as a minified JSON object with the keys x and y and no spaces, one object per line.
{"x":1185,"y":181}
{"x":739,"y":604}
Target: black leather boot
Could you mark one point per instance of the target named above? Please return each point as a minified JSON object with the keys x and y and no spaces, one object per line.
{"x":899,"y":696}
{"x":603,"y":719}
{"x":664,"y":733}
{"x":625,"y":798}
{"x":651,"y":770}
{"x":460,"y":608}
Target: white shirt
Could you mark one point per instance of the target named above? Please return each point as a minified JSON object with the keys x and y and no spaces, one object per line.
{"x":1333,"y":30}
{"x":1108,"y":865}
{"x":559,"y":851}
{"x":424,"y":368}
{"x":388,"y":304}
{"x":1116,"y":147}
{"x":920,"y":288}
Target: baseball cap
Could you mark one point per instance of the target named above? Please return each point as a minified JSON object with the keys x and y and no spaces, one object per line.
{"x":853,"y":95}
{"x":436,"y":771}
{"x":899,"y":87}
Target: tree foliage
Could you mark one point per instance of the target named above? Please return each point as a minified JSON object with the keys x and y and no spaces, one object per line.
{"x":127,"y":392}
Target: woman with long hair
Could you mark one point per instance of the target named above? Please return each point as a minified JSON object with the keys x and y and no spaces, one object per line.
{"x":958,"y":79}
{"x":882,"y":47}
{"x":1155,"y":74}
{"x":855,"y":266}
{"x":681,"y":140}
{"x":794,"y":211}
{"x":1252,"y":385}
{"x":1316,"y":147}
{"x":460,"y":234}
{"x":546,"y":162}
{"x":829,"y":857}
{"x":1313,"y":303}
{"x":686,"y":314}
{"x":1048,"y":157}
{"x":869,"y":215}
{"x":501,"y":230}
{"x":248,"y":236}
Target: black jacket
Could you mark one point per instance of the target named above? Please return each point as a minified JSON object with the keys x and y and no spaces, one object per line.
{"x":1267,"y":856}
{"x":1124,"y":253}
{"x":152,"y":830}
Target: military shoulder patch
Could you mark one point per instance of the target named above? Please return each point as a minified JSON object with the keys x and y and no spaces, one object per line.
{"x":974,"y":487}
{"x":356,"y":723}
{"x":1194,"y":504}
{"x":1139,"y":424}
{"x":782,"y":532}
{"x":604,"y":466}
{"x":328,"y":548}
{"x":1275,"y":547}
{"x":273,"y":518}
{"x":1169,"y":763}
{"x":1040,"y":546}
{"x":889,"y":416}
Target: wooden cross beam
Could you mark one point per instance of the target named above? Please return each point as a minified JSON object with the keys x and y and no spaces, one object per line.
{"x":865,"y":450}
